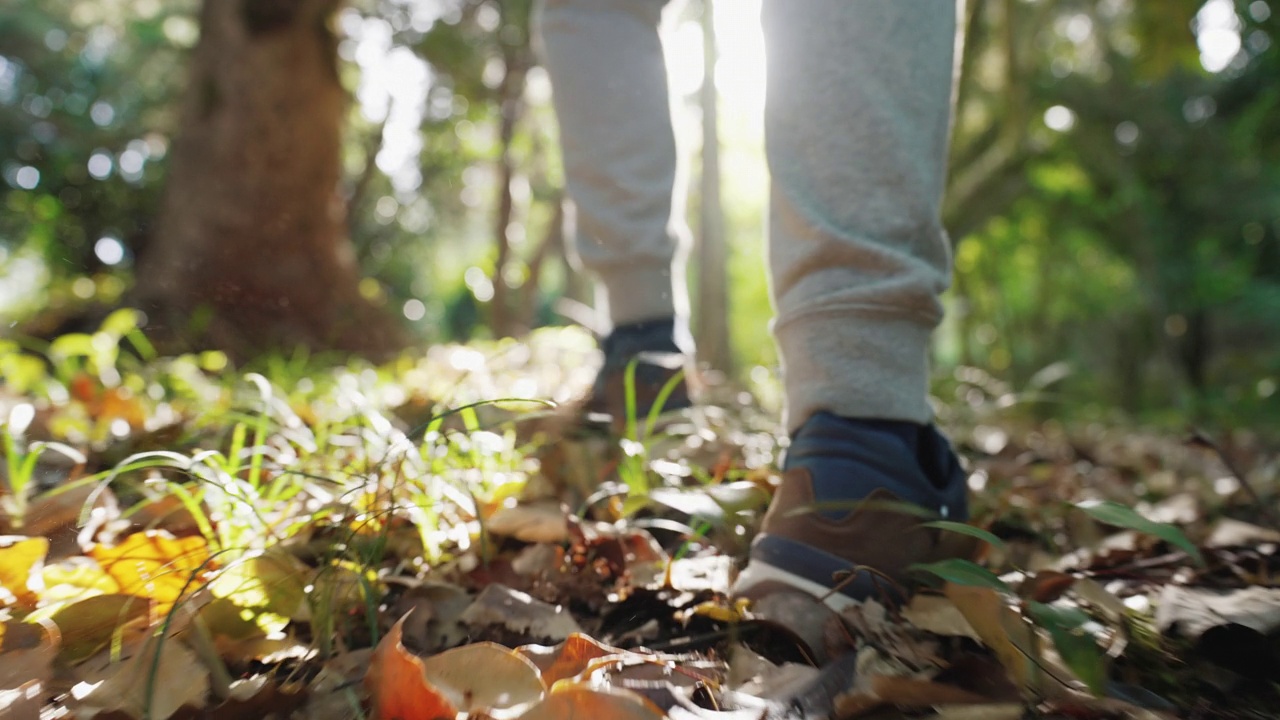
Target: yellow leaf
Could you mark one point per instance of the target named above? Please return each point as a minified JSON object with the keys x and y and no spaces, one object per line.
{"x":270,"y":587}
{"x":1001,"y":629}
{"x":76,"y":579}
{"x":20,"y":560}
{"x":155,"y":565}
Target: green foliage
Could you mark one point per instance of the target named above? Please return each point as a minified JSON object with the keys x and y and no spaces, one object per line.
{"x":1138,"y":243}
{"x":1120,"y":516}
{"x":1067,"y":626}
{"x":963,"y":572}
{"x":969,"y":530}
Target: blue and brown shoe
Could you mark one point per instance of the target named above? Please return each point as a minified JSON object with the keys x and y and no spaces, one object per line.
{"x":845,"y":523}
{"x":663,"y":372}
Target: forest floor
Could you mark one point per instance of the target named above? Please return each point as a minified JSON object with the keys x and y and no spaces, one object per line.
{"x":184,"y":541}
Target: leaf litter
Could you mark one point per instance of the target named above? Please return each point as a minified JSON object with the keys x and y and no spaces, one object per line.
{"x":344,"y":542}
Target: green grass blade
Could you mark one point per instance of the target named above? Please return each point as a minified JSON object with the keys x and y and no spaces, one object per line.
{"x":963,"y":572}
{"x":1110,"y":513}
{"x":965,"y":529}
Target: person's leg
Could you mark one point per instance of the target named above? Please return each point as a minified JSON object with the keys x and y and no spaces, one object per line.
{"x":857,"y":123}
{"x":609,"y":87}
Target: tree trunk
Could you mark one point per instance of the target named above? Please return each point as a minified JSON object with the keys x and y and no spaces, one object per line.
{"x":510,"y":107}
{"x":252,"y":253}
{"x":713,"y":271}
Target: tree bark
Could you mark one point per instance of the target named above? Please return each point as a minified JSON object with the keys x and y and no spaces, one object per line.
{"x":713,"y":256}
{"x":252,"y":253}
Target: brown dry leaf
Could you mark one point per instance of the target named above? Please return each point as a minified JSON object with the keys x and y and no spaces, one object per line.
{"x":23,"y":702}
{"x":179,"y":680}
{"x":258,"y":697}
{"x":49,"y":513}
{"x":905,"y":692}
{"x":154,"y":564}
{"x":567,"y":659}
{"x":397,"y":687}
{"x":1000,"y":628}
{"x":431,"y":612}
{"x":519,"y":613}
{"x":986,"y":711}
{"x":332,"y":694}
{"x":26,"y":659}
{"x":20,"y":578}
{"x":1047,"y":586}
{"x":88,"y":626}
{"x":1192,"y":611}
{"x":1228,"y":532}
{"x":570,"y":700}
{"x":531,"y":522}
{"x":938,"y":615}
{"x":484,"y":676}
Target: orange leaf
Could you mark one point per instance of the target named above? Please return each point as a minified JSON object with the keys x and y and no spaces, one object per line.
{"x":573,"y":700}
{"x":397,"y":686}
{"x":567,"y":659}
{"x":156,"y":565}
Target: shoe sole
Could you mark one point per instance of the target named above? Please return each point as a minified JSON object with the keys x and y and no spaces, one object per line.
{"x":778,"y":562}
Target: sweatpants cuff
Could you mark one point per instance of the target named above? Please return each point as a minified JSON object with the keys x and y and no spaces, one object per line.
{"x":854,"y":365}
{"x":640,"y":292}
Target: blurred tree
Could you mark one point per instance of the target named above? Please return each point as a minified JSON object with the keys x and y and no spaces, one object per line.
{"x":1111,"y":201}
{"x":712,"y":283}
{"x":85,"y":96}
{"x":250,"y":249}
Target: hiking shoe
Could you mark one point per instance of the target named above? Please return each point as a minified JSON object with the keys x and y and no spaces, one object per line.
{"x":843,"y":525}
{"x":656,"y":348}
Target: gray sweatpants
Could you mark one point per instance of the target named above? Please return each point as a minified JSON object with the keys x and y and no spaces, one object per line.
{"x":856,"y":129}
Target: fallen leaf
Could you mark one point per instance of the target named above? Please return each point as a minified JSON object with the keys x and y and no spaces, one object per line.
{"x":58,"y":510}
{"x":1229,"y":532}
{"x":23,"y":702}
{"x":20,"y":578}
{"x":986,"y":711}
{"x":999,"y":626}
{"x":1047,"y":585}
{"x":75,"y":578}
{"x":433,"y":624}
{"x":530,"y":522}
{"x":567,"y":659}
{"x":711,"y":572}
{"x":268,"y":588}
{"x":26,"y":657}
{"x":397,"y":686}
{"x":520,"y":614}
{"x":258,"y":697}
{"x":155,"y":565}
{"x":159,"y":678}
{"x":912,"y":692}
{"x":1192,"y":611}
{"x":88,"y":625}
{"x":484,"y":676}
{"x":938,"y":615}
{"x":568,"y":701}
